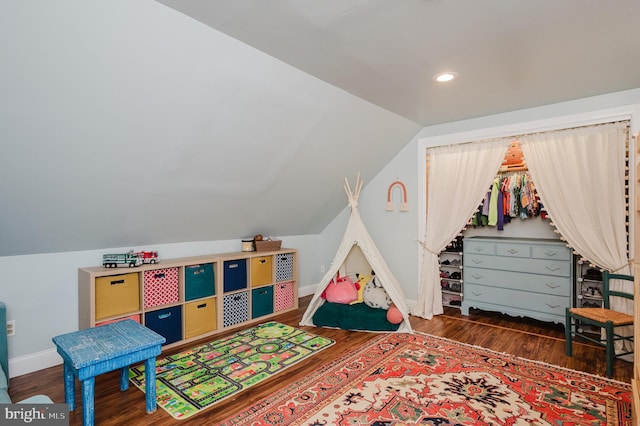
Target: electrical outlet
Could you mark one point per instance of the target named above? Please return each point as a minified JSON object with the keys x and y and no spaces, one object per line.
{"x":11,"y":328}
{"x":322,"y":269}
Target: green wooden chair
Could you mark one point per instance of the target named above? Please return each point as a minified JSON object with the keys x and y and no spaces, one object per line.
{"x":603,"y":317}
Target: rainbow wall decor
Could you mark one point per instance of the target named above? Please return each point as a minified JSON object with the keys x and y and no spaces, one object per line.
{"x":404,"y":206}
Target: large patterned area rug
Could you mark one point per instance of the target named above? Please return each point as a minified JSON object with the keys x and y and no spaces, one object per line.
{"x":191,"y":381}
{"x":404,"y":379}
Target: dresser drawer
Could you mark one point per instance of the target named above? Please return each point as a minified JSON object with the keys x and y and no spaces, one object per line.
{"x":551,"y":252}
{"x":516,"y":299}
{"x":479,"y":247}
{"x":550,"y":284}
{"x":513,"y":250}
{"x":533,"y":266}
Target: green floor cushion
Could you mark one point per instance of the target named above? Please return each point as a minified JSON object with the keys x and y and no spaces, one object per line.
{"x":353,"y":317}
{"x":37,"y":399}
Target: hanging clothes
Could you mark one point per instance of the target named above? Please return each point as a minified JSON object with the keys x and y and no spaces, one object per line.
{"x":493,"y":202}
{"x":510,"y":196}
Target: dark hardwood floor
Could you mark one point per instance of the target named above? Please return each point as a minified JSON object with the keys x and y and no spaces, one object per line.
{"x":521,"y":337}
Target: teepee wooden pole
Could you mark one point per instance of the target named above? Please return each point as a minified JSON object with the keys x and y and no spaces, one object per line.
{"x":347,"y":189}
{"x":354,"y":194}
{"x":358,"y":186}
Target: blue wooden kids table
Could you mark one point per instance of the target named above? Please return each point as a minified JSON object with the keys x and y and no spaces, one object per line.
{"x":93,"y":351}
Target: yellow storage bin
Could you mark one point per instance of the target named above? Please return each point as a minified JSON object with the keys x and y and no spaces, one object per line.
{"x":200,"y":317}
{"x":261,"y":270}
{"x":117,"y":295}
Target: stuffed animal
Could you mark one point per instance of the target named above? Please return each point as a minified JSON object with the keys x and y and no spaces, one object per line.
{"x":394,"y":316}
{"x":375,"y":296}
{"x":341,"y":290}
{"x":360,"y":284}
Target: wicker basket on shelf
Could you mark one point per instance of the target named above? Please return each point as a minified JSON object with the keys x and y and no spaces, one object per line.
{"x":268,"y":245}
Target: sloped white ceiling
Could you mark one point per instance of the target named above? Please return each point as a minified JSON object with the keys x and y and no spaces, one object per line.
{"x":127,"y":123}
{"x":509,"y":55}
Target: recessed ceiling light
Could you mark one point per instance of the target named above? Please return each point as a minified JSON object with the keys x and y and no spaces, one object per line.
{"x":445,"y":76}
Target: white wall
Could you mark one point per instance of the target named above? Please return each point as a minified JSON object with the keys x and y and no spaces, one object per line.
{"x":127,"y":122}
{"x":396,"y":233}
{"x":41,"y":292}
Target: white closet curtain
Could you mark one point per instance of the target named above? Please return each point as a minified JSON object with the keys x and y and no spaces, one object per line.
{"x":580,"y":177}
{"x":459,"y":176}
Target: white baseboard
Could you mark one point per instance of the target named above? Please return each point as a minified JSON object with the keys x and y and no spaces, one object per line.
{"x":40,"y":360}
{"x":33,"y":362}
{"x":307,"y":290}
{"x":411,"y":304}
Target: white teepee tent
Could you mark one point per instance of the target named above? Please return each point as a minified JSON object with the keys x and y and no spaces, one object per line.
{"x":356,"y":234}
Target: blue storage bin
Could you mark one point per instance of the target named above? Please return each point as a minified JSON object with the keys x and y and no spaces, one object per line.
{"x":261,"y":301}
{"x":199,"y":281}
{"x":235,"y":275}
{"x":166,"y":322}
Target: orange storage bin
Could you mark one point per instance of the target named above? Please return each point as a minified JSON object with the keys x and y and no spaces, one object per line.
{"x":261,"y":270}
{"x":200,"y":317}
{"x":117,"y":295}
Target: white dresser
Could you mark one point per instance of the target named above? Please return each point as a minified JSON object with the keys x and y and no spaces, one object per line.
{"x":519,"y":277}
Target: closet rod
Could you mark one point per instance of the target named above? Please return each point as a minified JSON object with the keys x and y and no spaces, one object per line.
{"x":609,"y":123}
{"x":513,"y":170}
{"x":518,"y":136}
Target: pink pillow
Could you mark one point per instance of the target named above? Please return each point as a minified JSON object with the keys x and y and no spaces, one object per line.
{"x":394,"y":316}
{"x":342,"y":290}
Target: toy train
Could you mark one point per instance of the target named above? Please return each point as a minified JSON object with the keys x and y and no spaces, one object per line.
{"x":130,"y":259}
